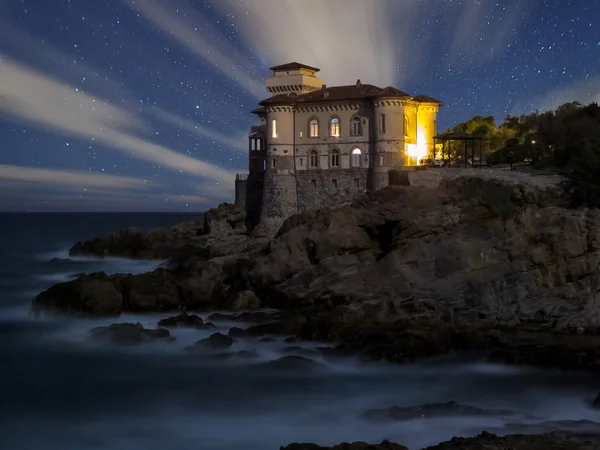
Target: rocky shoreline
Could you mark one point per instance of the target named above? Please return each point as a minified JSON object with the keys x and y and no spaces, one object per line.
{"x":506,"y":273}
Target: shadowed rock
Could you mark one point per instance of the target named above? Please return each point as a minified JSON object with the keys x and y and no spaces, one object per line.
{"x":216,"y":341}
{"x":129,"y":334}
{"x":291,"y":363}
{"x":429,"y":411}
{"x":385,"y":445}
{"x":185,"y":320}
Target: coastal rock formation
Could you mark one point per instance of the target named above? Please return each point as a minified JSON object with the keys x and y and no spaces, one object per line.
{"x":185,"y":320}
{"x":484,"y":441}
{"x":402,"y":273}
{"x":429,"y":411}
{"x":128,"y":334}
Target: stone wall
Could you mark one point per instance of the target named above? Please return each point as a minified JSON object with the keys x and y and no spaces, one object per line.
{"x":435,"y":176}
{"x":326,"y":188}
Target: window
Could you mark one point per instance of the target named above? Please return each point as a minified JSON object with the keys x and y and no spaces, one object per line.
{"x":356,"y":183}
{"x":273,"y":163}
{"x":382,"y":159}
{"x":356,"y":157}
{"x":313,"y":128}
{"x":313,"y":184}
{"x":301,"y":162}
{"x":252,"y":144}
{"x":334,"y":183}
{"x":335,"y":158}
{"x":264,"y":164}
{"x":382,"y":123}
{"x":314,"y":159}
{"x":258,"y":144}
{"x":356,"y":127}
{"x":274,"y":128}
{"x":335,"y":127}
{"x":405,"y":126}
{"x":301,"y":133}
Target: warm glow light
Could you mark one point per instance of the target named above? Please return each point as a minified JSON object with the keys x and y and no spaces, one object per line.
{"x":418,"y":151}
{"x":274,"y":128}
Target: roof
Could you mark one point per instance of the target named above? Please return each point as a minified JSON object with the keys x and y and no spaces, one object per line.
{"x":457,"y":137}
{"x":293,"y":66}
{"x":426,"y":99}
{"x":260,"y":110}
{"x":336,"y":93}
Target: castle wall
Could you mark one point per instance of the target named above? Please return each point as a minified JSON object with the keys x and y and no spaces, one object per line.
{"x":326,"y":188}
{"x":240,"y":189}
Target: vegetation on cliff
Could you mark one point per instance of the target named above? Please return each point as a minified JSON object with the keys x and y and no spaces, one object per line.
{"x":566,"y":140}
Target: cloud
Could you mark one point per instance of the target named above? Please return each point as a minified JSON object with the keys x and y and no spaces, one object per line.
{"x":30,"y":96}
{"x":201,"y":39}
{"x":584,"y":92}
{"x":28,"y":177}
{"x":237,"y":141}
{"x":347,"y":39}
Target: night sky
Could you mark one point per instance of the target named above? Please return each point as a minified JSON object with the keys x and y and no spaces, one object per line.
{"x":144,"y":105}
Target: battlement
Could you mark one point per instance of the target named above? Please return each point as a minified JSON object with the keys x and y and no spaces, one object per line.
{"x":241,"y":177}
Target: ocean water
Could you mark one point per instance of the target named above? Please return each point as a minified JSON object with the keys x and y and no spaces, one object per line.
{"x":59,"y":390}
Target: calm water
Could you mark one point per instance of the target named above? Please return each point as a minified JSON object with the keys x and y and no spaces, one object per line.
{"x":60,"y":391}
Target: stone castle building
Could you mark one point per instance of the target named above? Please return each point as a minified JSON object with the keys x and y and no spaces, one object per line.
{"x":319,"y":146}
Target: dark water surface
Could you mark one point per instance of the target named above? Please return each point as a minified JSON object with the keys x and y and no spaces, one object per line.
{"x":60,"y":391}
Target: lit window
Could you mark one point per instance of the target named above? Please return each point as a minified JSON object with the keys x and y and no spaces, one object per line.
{"x":252,"y":144}
{"x":301,"y":133}
{"x":258,"y":144}
{"x":357,"y":183}
{"x":334,"y":183}
{"x":356,"y":157}
{"x":335,"y":158}
{"x":356,"y":127}
{"x":335,"y":127}
{"x":274,"y":128}
{"x":382,"y":159}
{"x":314,"y":128}
{"x":313,"y":183}
{"x":382,"y":123}
{"x":406,"y":126}
{"x":314,"y":159}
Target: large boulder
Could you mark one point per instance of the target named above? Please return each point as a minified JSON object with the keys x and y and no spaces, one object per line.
{"x":129,"y":334}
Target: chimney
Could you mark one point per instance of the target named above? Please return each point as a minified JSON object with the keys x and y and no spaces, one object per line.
{"x":358,"y":83}
{"x":324,"y":88}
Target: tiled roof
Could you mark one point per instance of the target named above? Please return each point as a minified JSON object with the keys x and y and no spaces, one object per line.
{"x":336,"y":93}
{"x":426,"y":99}
{"x":293,"y":66}
{"x":258,"y":110}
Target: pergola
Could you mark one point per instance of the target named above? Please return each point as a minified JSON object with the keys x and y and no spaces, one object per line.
{"x":461,"y":137}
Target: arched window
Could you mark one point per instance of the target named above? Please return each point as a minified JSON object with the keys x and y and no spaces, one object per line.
{"x":335,"y":158}
{"x":356,"y":126}
{"x":314,"y":159}
{"x":313,"y":128}
{"x":335,"y":127}
{"x":405,"y":126}
{"x":356,"y":154}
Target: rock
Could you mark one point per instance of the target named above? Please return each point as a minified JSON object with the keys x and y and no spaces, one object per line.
{"x":385,"y":445}
{"x":267,"y":339}
{"x":255,"y":316}
{"x":291,"y":363}
{"x":216,"y":341}
{"x":429,"y":411}
{"x":129,"y":334}
{"x":289,"y":340}
{"x":489,"y":441}
{"x":95,"y":294}
{"x":245,"y":300}
{"x":185,"y":320}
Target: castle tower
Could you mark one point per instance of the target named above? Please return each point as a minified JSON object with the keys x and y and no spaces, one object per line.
{"x":389,"y":134}
{"x":279,"y":199}
{"x":293,"y":77}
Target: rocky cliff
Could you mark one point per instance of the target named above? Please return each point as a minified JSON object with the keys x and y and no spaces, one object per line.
{"x":404,"y":272}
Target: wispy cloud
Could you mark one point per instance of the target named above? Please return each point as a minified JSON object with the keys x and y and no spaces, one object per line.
{"x":30,"y":96}
{"x":236,"y":141}
{"x":584,"y":91}
{"x":190,"y":29}
{"x":33,"y":177}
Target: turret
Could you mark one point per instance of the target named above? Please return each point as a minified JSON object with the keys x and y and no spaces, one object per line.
{"x":293,"y":77}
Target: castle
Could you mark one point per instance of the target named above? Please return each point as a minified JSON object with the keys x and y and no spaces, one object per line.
{"x":319,"y":146}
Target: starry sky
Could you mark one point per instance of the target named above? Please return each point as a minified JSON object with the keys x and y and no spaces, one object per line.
{"x":144,"y":105}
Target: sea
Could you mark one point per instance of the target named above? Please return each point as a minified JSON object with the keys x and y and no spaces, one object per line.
{"x":59,"y":390}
